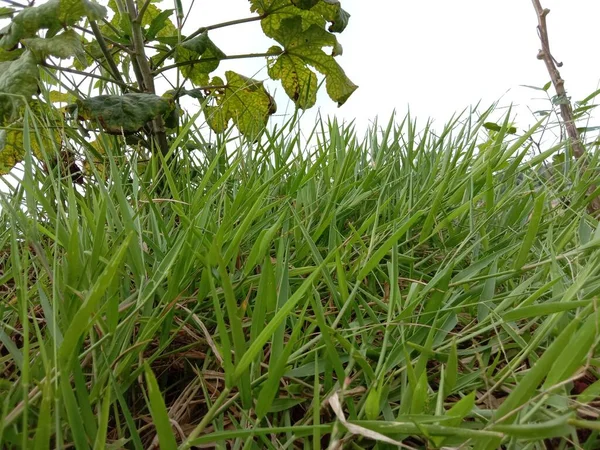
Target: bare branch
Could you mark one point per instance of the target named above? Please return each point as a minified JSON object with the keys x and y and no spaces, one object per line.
{"x":158,"y":124}
{"x":566,"y":110}
{"x":552,"y":65}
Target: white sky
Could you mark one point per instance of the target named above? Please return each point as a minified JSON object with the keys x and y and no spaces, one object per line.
{"x":436,"y":56}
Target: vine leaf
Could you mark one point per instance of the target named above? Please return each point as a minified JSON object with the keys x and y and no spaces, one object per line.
{"x":64,"y":45}
{"x":52,"y":16}
{"x":202,"y":50}
{"x":244,"y":101}
{"x":17,"y":78}
{"x":331,"y":11}
{"x":301,"y":48}
{"x":119,"y":114}
{"x":312,"y":12}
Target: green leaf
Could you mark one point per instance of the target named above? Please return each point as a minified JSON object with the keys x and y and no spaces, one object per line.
{"x":243,"y":100}
{"x":532,"y":231}
{"x":81,"y":320}
{"x":122,"y":113}
{"x":18,"y":78}
{"x":302,"y":48}
{"x":52,"y":15}
{"x":277,"y":367}
{"x":6,"y":13}
{"x":160,"y":24}
{"x":155,"y":22}
{"x":10,"y":55}
{"x":373,"y":402}
{"x":158,"y":410}
{"x":461,"y":409}
{"x":64,"y":45}
{"x":205,"y":56}
{"x":495,"y":127}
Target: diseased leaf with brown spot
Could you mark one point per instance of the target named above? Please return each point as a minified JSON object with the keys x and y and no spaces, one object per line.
{"x":302,"y":48}
{"x":244,"y":101}
{"x":119,"y":114}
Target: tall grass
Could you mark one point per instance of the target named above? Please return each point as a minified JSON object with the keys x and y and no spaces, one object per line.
{"x":414,"y":289}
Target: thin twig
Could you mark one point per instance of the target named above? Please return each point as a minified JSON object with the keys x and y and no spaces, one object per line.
{"x":107,"y":55}
{"x":91,"y":75}
{"x":17,"y":4}
{"x":197,"y":61}
{"x":199,"y":31}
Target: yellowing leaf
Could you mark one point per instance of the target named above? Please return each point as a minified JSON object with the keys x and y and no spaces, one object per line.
{"x":299,"y":82}
{"x":276,"y":11}
{"x":243,"y":100}
{"x":126,"y":113}
{"x":61,"y":97}
{"x":302,"y":48}
{"x":17,"y":78}
{"x":12,"y":150}
{"x":312,"y":12}
{"x":11,"y":153}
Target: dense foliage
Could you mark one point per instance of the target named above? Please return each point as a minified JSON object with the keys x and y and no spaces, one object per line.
{"x":122,"y":49}
{"x":416,"y":288}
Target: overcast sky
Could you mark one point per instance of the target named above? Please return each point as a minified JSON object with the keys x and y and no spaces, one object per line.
{"x":436,"y":56}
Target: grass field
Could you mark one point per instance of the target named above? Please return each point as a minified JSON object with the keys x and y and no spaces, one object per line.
{"x":411,"y":289}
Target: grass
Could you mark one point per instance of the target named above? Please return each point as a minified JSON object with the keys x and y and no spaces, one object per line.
{"x":412,"y":289}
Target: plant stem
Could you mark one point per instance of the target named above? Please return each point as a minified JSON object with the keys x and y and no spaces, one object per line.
{"x":189,"y":63}
{"x":147,"y":78}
